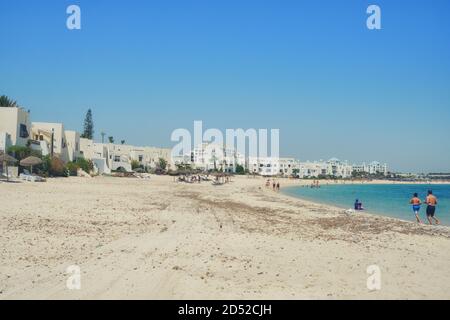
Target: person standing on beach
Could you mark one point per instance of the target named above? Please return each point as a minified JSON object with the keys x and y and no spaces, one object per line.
{"x":415,"y":201}
{"x":431,"y":202}
{"x":278,"y":186}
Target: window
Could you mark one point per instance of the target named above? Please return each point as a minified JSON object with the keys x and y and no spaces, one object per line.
{"x":140,"y":158}
{"x":116,"y":158}
{"x":23,"y":133}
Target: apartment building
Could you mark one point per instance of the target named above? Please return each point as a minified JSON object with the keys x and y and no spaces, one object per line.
{"x":15,"y":127}
{"x":333,"y":167}
{"x":210,"y":156}
{"x":373,"y":167}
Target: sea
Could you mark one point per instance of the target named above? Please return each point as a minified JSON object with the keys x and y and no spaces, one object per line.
{"x":390,"y":200}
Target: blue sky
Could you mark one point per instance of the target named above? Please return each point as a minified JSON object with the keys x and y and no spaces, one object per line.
{"x":310,"y":68}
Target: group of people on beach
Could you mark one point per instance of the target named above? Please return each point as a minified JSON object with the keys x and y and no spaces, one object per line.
{"x":430,"y":201}
{"x":315,"y":184}
{"x":275,"y":185}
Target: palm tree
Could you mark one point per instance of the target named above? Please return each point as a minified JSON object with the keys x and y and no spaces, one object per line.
{"x":7,"y":102}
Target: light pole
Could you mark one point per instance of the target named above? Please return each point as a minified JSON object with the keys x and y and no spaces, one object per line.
{"x":52,"y":143}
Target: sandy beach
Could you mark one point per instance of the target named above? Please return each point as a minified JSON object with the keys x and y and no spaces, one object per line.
{"x":158,"y":239}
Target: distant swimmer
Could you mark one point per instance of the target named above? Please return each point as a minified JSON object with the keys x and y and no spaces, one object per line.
{"x":431,"y":202}
{"x":416,"y":203}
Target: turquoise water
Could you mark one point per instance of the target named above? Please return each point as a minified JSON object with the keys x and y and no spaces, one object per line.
{"x":389,"y":200}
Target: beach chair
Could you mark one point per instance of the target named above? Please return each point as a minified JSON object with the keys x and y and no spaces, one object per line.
{"x":27,"y":176}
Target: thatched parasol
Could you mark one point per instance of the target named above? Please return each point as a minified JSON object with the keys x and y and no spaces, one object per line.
{"x":5,"y":159}
{"x":30,"y":162}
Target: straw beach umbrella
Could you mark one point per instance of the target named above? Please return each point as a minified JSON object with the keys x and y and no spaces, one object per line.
{"x":30,"y":162}
{"x":5,"y":159}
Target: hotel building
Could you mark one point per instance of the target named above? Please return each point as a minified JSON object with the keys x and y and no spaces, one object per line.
{"x":15,"y":127}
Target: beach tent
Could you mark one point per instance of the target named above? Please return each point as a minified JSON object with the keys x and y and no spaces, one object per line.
{"x":30,"y":162}
{"x":5,"y":159}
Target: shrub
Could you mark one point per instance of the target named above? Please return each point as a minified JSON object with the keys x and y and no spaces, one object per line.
{"x":240,"y":169}
{"x":52,"y":167}
{"x":44,"y":168}
{"x":72,"y":168}
{"x":159,"y":171}
{"x":57,"y":168}
{"x":135,"y":164}
{"x":162,"y":163}
{"x":85,"y":165}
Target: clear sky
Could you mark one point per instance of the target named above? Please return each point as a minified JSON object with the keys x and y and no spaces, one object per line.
{"x":310,"y":68}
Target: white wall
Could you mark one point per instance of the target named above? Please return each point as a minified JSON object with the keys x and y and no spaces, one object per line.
{"x":11,"y":120}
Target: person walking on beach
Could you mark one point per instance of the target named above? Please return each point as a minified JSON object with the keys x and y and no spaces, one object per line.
{"x":415,"y":201}
{"x":431,"y":202}
{"x":278,"y":186}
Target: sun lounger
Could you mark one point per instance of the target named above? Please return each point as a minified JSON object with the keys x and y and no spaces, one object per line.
{"x":30,"y":177}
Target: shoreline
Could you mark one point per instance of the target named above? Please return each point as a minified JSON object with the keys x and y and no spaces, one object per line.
{"x":365,"y":212}
{"x":158,"y":239}
{"x":368,"y":212}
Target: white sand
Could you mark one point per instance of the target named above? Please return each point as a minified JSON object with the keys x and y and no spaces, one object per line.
{"x":158,"y":239}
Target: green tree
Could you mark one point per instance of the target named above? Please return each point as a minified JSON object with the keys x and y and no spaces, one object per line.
{"x":162,"y":163}
{"x":7,"y":102}
{"x":88,"y":131}
{"x":20,"y":152}
{"x":122,"y":141}
{"x":240,"y":169}
{"x":111,"y":139}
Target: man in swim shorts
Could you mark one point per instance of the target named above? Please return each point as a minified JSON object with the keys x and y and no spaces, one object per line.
{"x":431,"y":202}
{"x":415,"y":201}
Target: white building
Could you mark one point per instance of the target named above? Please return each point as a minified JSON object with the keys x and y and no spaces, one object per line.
{"x":42,"y":133}
{"x":210,"y":156}
{"x":373,"y":167}
{"x":73,"y":145}
{"x":273,"y":166}
{"x":333,"y":167}
{"x":15,"y":127}
{"x":312,"y":169}
{"x":109,"y":157}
